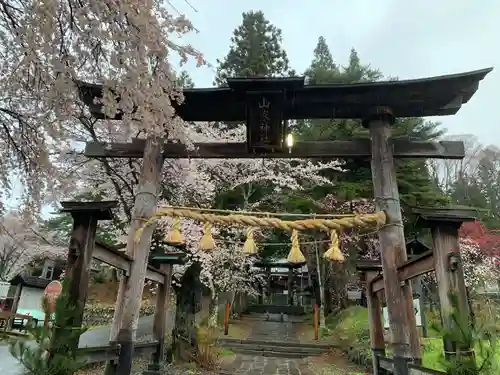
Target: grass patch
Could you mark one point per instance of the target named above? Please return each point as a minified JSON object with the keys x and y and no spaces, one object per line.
{"x":238,"y":329}
{"x":349,"y":330}
{"x":225,"y":352}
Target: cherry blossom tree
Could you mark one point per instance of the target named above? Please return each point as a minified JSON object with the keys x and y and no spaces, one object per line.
{"x":479,"y":267}
{"x":246,"y":174}
{"x":47,"y":48}
{"x":21,"y":244}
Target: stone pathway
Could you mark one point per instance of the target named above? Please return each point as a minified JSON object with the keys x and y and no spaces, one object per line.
{"x":260,"y":365}
{"x":274,"y":330}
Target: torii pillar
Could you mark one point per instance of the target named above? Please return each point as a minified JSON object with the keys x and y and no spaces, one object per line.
{"x":85,"y":218}
{"x":444,"y":225}
{"x":405,"y":338}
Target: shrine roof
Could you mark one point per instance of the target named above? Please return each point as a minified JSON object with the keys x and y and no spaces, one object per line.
{"x":434,"y":96}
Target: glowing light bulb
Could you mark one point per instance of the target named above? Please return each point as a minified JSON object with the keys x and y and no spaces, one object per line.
{"x":289,"y":140}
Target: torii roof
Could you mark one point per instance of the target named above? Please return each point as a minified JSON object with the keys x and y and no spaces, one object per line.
{"x":434,"y":96}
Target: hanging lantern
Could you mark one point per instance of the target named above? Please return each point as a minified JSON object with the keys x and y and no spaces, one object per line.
{"x":250,"y":247}
{"x":175,"y":237}
{"x":207,"y":242}
{"x":295,"y":255}
{"x":334,"y":253}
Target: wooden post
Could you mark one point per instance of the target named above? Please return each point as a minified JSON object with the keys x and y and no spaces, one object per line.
{"x":405,"y":340}
{"x":316,"y":322}
{"x":375,"y":323}
{"x":260,"y":297}
{"x":290,"y":286}
{"x":85,"y":217}
{"x":226,"y":319}
{"x":144,"y":208}
{"x":419,"y":290}
{"x":269,"y":293}
{"x":15,"y":303}
{"x":111,"y":366}
{"x":159,"y":322}
{"x":449,"y":271}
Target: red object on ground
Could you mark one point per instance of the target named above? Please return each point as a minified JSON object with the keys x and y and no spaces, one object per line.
{"x":316,"y":322}
{"x":51,"y":292}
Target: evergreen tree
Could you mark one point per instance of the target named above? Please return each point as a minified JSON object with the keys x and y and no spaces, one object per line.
{"x":255,"y":51}
{"x":55,"y":350}
{"x":415,"y":183}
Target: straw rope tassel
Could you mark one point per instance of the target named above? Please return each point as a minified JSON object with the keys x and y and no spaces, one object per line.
{"x":207,"y":242}
{"x":334,"y":253}
{"x":295,"y":255}
{"x":175,"y":237}
{"x":250,"y":247}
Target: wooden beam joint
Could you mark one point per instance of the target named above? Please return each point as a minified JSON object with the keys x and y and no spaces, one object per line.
{"x":414,"y":267}
{"x":123,"y":262}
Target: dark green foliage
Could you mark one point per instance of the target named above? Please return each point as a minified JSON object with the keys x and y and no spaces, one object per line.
{"x":61,"y":225}
{"x":415,"y":184}
{"x":60,"y":339}
{"x":255,"y":51}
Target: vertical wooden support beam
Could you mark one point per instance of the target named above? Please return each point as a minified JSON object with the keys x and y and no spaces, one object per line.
{"x":405,"y":340}
{"x":15,"y":303}
{"x":444,"y":224}
{"x":144,"y":207}
{"x":290,"y":286}
{"x":418,"y":290}
{"x":450,"y":278}
{"x":316,"y":322}
{"x":269,"y":293}
{"x":85,"y":217}
{"x":227,"y":312}
{"x":159,"y":322}
{"x":375,"y":323}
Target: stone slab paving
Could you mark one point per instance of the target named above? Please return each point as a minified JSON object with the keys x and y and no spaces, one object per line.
{"x":272,"y":330}
{"x":275,"y":331}
{"x":260,"y":365}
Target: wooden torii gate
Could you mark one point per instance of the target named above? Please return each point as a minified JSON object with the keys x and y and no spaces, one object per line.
{"x":444,"y":260}
{"x":266,"y":105}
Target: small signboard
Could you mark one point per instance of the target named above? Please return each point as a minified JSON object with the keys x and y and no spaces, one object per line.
{"x":50,"y":294}
{"x":265,"y":128}
{"x":416,"y":309}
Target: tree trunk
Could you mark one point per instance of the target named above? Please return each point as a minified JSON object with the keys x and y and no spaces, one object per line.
{"x":213,"y":320}
{"x":144,"y":208}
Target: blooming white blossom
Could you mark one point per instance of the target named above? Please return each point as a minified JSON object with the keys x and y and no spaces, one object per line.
{"x":479,"y":268}
{"x":21,"y":243}
{"x":48,"y":47}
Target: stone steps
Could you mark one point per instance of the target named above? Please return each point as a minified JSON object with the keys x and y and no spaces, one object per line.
{"x":274,"y":349}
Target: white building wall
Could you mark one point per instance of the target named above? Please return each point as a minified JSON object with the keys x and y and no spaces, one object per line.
{"x":31,"y":299}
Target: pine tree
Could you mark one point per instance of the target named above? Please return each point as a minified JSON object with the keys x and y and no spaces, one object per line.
{"x":415,"y":184}
{"x":255,"y":51}
{"x":55,"y":350}
{"x":323,"y":68}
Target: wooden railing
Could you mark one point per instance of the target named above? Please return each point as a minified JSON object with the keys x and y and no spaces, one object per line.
{"x":111,"y":353}
{"x":386,"y":366}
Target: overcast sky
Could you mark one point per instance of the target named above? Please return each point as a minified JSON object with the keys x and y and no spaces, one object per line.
{"x":407,"y":39}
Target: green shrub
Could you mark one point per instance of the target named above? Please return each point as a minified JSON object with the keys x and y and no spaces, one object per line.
{"x":350,"y":330}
